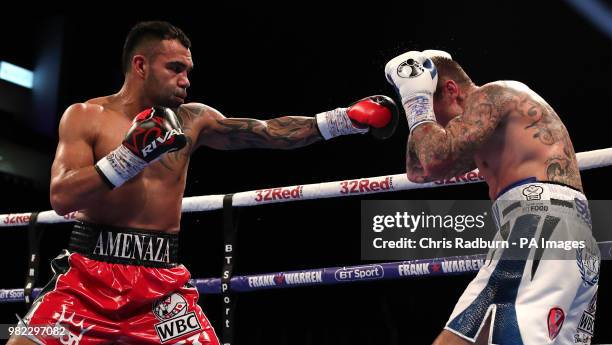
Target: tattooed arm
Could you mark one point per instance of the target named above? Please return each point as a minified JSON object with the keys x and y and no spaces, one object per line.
{"x":414,"y":168}
{"x":223,"y":133}
{"x":436,"y":152}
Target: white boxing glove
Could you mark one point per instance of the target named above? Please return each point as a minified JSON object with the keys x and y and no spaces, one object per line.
{"x":415,"y":77}
{"x":431,"y":53}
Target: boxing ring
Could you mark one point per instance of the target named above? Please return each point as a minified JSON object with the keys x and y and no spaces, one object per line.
{"x":229,"y":284}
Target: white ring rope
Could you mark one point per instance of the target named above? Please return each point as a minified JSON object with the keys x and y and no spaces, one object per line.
{"x":368,"y":185}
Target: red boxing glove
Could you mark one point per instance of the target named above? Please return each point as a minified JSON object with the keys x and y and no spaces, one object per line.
{"x":375,"y":114}
{"x":379,"y":112}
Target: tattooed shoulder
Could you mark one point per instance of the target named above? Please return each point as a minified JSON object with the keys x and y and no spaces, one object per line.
{"x":191,"y":111}
{"x":186,"y":114}
{"x":545,"y":127}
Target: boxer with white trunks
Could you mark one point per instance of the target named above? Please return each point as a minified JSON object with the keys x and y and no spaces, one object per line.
{"x":521,"y":147}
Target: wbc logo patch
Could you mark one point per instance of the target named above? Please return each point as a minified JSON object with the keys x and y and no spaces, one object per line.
{"x":556,"y":316}
{"x":170,"y":307}
{"x":176,"y":319}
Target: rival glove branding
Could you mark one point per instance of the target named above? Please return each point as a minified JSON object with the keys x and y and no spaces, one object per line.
{"x":168,"y":137}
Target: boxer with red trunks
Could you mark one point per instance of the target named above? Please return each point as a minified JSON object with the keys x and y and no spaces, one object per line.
{"x":119,"y":282}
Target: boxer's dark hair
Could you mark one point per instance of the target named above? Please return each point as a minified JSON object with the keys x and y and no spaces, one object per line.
{"x":450,"y":69}
{"x":146,"y":32}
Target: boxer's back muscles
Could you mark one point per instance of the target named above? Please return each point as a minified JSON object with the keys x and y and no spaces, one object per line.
{"x":152,"y":199}
{"x":507,"y":131}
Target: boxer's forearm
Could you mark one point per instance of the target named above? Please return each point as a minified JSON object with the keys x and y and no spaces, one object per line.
{"x":414,"y":168}
{"x":77,"y":189}
{"x":439,"y":158}
{"x":449,"y":151}
{"x":286,"y":132}
{"x":289,"y":132}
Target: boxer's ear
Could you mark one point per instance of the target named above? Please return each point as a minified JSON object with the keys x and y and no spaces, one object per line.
{"x":139,"y":65}
{"x":451,"y":88}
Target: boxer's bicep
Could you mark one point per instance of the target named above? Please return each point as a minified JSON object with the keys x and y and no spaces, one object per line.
{"x":75,"y":184}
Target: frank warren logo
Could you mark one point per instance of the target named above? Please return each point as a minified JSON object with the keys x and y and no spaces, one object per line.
{"x":176,"y":321}
{"x":133,"y":246}
{"x":533,"y":192}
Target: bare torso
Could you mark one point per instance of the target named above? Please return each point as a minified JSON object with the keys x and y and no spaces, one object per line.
{"x":152,"y":199}
{"x":531,"y":141}
{"x":506,"y":131}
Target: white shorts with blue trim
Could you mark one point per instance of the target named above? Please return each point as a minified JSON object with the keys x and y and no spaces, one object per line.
{"x":535,"y":296}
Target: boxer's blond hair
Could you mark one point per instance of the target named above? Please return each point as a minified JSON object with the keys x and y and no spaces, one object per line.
{"x":450,"y":70}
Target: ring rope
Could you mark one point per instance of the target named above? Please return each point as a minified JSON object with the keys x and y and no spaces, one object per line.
{"x":368,"y":185}
{"x":448,"y":266}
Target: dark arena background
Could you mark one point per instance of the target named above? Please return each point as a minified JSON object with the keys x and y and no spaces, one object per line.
{"x":265,"y":63}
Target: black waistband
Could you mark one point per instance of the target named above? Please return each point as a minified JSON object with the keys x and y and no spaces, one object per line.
{"x":124,"y":245}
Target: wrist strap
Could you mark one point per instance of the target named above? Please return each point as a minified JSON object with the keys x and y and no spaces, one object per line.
{"x":336,"y":122}
{"x":119,"y":166}
{"x":419,"y":110}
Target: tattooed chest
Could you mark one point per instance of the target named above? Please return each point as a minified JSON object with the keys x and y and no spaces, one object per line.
{"x":177,"y":161}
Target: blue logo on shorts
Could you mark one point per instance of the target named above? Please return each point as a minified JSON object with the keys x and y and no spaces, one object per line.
{"x":584,"y":213}
{"x":588,"y":265}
